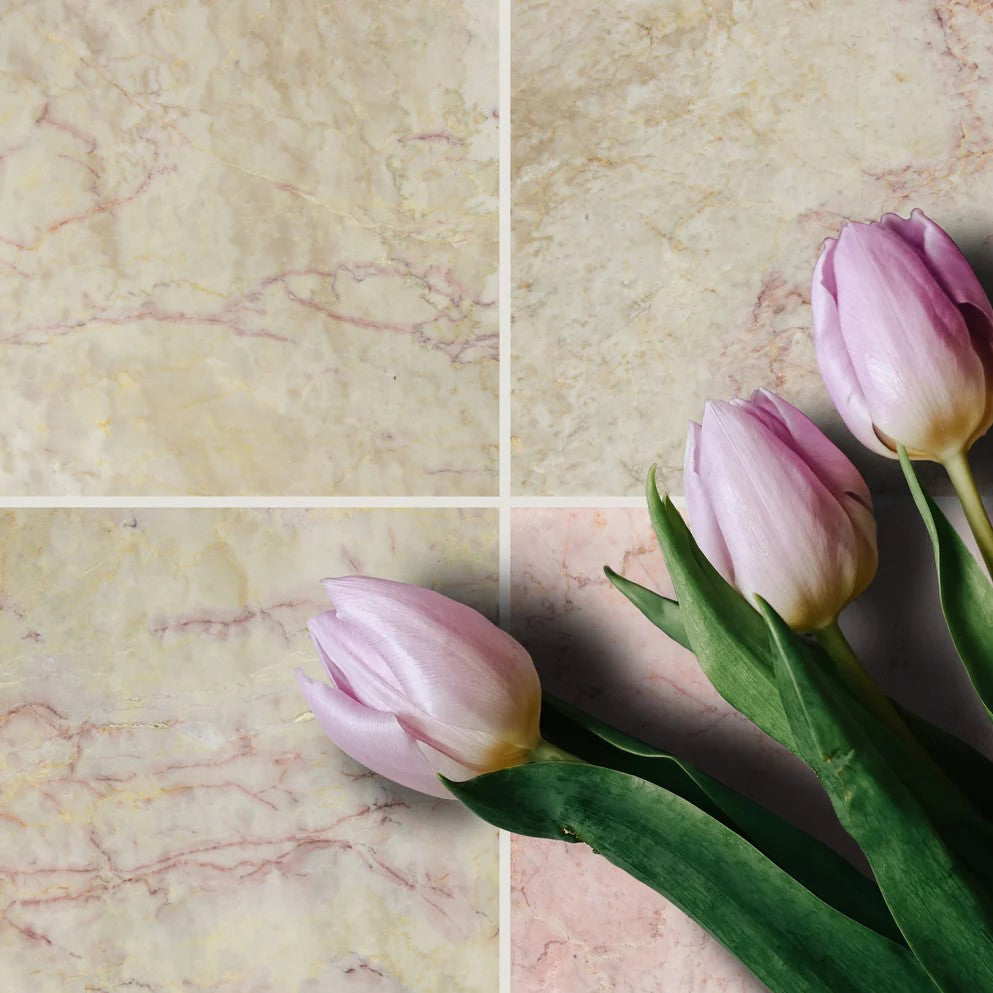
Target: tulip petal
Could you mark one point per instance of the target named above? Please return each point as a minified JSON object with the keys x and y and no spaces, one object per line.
{"x":942,"y":257}
{"x":703,"y":522}
{"x":372,"y":738}
{"x":831,"y":466}
{"x":451,"y":662}
{"x":836,"y":367}
{"x":955,"y":276}
{"x":448,"y":767}
{"x":473,"y":752}
{"x":354,"y":666}
{"x":790,"y":539}
{"x":908,"y":343}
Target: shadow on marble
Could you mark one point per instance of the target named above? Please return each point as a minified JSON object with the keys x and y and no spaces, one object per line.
{"x":675,"y":170}
{"x":248,"y":248}
{"x":581,"y":926}
{"x":171,"y":816}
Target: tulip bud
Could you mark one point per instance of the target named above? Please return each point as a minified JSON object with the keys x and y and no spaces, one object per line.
{"x":904,"y":337}
{"x":778,"y":510}
{"x":420,"y":684}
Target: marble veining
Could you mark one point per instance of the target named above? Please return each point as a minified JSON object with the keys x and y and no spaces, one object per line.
{"x":171,"y":817}
{"x":675,"y":169}
{"x":248,"y":248}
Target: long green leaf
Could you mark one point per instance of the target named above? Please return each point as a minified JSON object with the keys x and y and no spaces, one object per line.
{"x":725,"y":632}
{"x":942,"y":908}
{"x":965,"y":591}
{"x":819,"y":868}
{"x":660,"y":610}
{"x":791,"y":940}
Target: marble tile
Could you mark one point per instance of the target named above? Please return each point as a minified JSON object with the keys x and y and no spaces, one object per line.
{"x":579,"y":925}
{"x":675,"y":169}
{"x":171,"y":817}
{"x":592,"y":648}
{"x":248,"y":247}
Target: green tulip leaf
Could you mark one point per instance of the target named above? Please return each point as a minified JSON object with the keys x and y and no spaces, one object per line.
{"x":917,"y":836}
{"x":660,"y":610}
{"x":725,"y":632}
{"x":819,"y":868}
{"x":965,"y":591}
{"x":791,"y":940}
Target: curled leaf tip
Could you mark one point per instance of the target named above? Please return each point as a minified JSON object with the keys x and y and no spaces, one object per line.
{"x":768,"y":612}
{"x":652,"y":487}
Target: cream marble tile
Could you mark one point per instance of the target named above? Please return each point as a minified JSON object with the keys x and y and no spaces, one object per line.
{"x":676,"y":167}
{"x":248,"y":247}
{"x":579,"y":925}
{"x":171,"y":818}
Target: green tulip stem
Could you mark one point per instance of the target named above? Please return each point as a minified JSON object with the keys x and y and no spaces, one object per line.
{"x":960,"y":473}
{"x":858,"y":680}
{"x":545,"y":751}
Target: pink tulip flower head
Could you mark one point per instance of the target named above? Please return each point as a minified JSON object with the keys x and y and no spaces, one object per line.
{"x":904,"y":337}
{"x":420,"y":684}
{"x":778,"y":510}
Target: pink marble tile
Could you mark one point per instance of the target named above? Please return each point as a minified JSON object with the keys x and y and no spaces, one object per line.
{"x":578,"y":924}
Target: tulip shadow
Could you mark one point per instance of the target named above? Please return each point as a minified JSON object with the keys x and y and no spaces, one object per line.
{"x":883,"y":475}
{"x":466,"y":586}
{"x":582,"y":666}
{"x":976,"y":244}
{"x":898,"y":629}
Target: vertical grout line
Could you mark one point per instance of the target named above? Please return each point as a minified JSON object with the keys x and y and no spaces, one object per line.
{"x":504,"y":278}
{"x":504,"y":296}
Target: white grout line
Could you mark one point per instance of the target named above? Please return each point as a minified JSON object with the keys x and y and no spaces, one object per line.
{"x":505,"y":283}
{"x":234,"y":502}
{"x":566,"y":502}
{"x":501,"y":503}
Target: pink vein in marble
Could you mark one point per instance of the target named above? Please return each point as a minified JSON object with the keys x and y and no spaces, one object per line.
{"x":171,"y":817}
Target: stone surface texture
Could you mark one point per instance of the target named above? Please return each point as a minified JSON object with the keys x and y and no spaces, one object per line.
{"x":248,"y":247}
{"x":676,"y":167}
{"x":172,"y":819}
{"x":580,"y":925}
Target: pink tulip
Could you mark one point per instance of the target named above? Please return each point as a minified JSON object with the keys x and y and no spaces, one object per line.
{"x":420,"y":684}
{"x":778,"y":510}
{"x":904,"y":337}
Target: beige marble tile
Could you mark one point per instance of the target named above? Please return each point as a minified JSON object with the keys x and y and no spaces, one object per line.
{"x":248,"y":247}
{"x":171,"y":817}
{"x":675,"y":169}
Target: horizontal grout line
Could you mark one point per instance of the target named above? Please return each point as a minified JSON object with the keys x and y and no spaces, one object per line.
{"x":566,"y":502}
{"x":307,"y":503}
{"x":267,"y":502}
